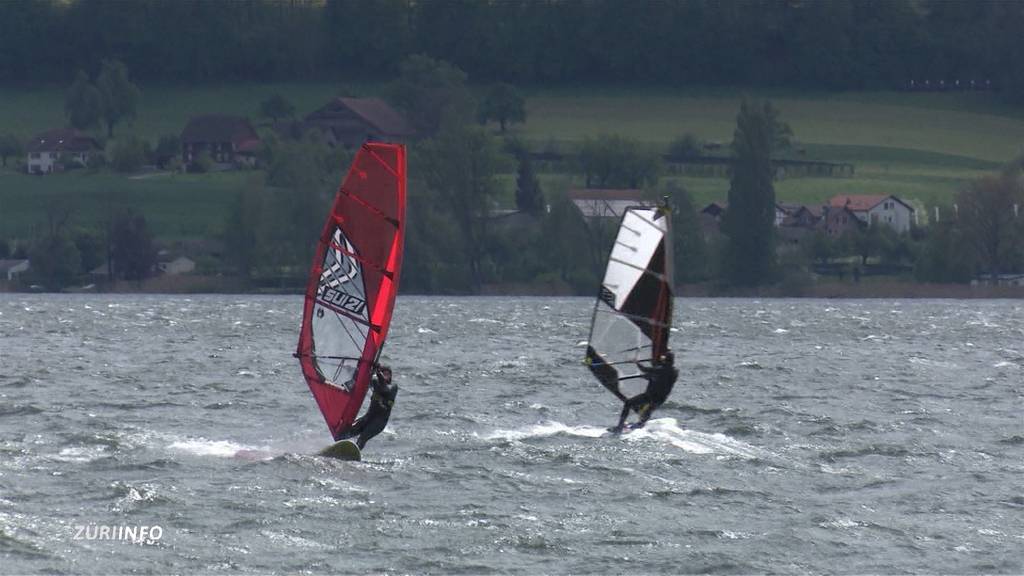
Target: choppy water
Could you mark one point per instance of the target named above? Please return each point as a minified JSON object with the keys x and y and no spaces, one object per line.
{"x":804,"y":437}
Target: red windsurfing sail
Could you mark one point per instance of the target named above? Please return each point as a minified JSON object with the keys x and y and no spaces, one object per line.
{"x":353,"y":282}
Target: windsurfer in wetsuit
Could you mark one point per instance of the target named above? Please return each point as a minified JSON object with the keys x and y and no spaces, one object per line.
{"x":660,"y":379}
{"x":376,"y":418}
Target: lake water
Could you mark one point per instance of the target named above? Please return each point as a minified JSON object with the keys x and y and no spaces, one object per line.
{"x":804,"y":436}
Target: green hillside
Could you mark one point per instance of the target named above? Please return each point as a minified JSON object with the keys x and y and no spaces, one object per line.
{"x":922,"y":147}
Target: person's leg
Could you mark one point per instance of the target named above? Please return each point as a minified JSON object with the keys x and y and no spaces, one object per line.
{"x":371,"y":429}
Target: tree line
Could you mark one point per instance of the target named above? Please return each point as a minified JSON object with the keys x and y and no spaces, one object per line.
{"x":835,"y":44}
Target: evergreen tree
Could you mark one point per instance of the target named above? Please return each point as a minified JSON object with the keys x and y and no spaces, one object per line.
{"x":118,"y":95}
{"x":749,"y":221}
{"x":83,"y":104}
{"x":529,"y":197}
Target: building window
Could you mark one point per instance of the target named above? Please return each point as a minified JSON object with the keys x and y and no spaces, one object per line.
{"x":34,"y":155}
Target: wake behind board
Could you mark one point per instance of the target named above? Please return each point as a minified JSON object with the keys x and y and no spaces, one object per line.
{"x":343,"y":450}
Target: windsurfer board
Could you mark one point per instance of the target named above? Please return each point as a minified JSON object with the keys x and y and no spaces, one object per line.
{"x":343,"y":450}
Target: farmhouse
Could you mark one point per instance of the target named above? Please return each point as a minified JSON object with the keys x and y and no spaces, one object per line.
{"x":352,"y":121}
{"x":607,"y":203}
{"x":227,"y":139}
{"x":840,"y":219}
{"x":877,"y":210}
{"x":57,"y":150}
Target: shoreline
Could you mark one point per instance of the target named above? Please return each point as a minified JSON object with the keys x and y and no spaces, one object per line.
{"x":873,"y":289}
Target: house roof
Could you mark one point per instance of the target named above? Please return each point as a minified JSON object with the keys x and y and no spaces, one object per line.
{"x":218,"y":128}
{"x":377,"y":113}
{"x":9,"y":264}
{"x":715,"y":208}
{"x":373,"y":111}
{"x":604,"y":203}
{"x":863,"y":202}
{"x":62,"y":140}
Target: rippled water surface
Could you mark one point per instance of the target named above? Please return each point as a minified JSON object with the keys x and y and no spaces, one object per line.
{"x":805,"y":436}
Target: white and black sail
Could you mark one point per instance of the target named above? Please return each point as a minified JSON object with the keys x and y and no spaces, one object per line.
{"x":633,"y":312}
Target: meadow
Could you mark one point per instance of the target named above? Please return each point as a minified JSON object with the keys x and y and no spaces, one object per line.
{"x":920,"y":147}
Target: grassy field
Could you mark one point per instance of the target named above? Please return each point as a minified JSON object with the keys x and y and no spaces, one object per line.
{"x":175,"y":205}
{"x":921,"y":147}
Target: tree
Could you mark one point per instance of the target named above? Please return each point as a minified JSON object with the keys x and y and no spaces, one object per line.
{"x":685,"y":146}
{"x":83,"y":104}
{"x":688,"y":247}
{"x":820,"y":247}
{"x":134,"y":256}
{"x":502,"y":103}
{"x":91,"y":249}
{"x":529,"y":196}
{"x":945,"y":256}
{"x":127,"y":154}
{"x":432,"y":93}
{"x":569,"y":247}
{"x":749,"y":221}
{"x":10,"y":145}
{"x":276,"y":107}
{"x":55,"y":259}
{"x":611,"y":161}
{"x":460,"y":166}
{"x":990,"y":220}
{"x":119,"y":96}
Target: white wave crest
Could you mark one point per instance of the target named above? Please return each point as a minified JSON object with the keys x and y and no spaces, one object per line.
{"x":220,"y":448}
{"x":546,"y":429}
{"x":668,"y":430}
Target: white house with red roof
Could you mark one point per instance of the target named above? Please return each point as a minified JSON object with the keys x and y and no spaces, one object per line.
{"x":52,"y":150}
{"x":877,"y":210}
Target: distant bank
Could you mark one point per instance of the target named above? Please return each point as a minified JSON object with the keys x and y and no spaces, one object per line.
{"x":884,"y":288}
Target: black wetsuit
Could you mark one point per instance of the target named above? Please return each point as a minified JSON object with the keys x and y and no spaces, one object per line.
{"x":376,"y":418}
{"x":660,"y":380}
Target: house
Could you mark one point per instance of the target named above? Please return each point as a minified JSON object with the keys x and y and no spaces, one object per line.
{"x":227,"y":139}
{"x":877,"y":210}
{"x":607,"y":203}
{"x":53,"y":150}
{"x":352,"y":121}
{"x":11,"y":269}
{"x":796,"y":216}
{"x":840,"y":220}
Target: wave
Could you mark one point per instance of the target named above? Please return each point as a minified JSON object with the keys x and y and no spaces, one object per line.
{"x":664,"y":430}
{"x":546,"y":429}
{"x":668,"y":430}
{"x":222,"y":449}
